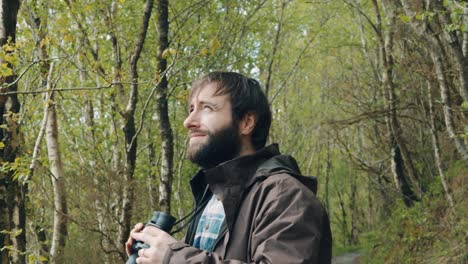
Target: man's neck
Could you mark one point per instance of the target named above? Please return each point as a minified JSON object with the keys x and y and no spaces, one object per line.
{"x":246,"y":149}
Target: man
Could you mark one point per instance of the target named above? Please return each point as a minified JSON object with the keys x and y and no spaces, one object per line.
{"x":253,"y":206}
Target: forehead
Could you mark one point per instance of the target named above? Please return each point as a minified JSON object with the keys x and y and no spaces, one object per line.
{"x":207,"y":92}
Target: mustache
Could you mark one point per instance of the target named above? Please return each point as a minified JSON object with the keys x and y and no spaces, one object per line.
{"x":198,"y":131}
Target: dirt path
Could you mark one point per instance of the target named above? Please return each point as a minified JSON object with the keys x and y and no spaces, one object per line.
{"x":349,"y":258}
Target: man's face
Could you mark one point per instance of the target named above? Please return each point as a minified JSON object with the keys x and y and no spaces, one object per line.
{"x":213,"y":135}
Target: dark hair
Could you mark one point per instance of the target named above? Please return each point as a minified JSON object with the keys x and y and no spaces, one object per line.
{"x":246,"y":96}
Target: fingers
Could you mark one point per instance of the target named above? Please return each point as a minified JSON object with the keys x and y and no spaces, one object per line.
{"x":141,"y":253}
{"x":146,"y":255}
{"x":142,"y":236}
{"x":138,"y":227}
{"x":128,"y":245}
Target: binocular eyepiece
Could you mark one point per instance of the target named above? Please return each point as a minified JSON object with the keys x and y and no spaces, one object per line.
{"x":159,"y":220}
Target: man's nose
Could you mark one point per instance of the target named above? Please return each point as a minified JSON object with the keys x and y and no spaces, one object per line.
{"x":191,"y":120}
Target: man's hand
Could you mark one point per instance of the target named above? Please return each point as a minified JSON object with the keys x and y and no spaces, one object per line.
{"x":158,"y":241}
{"x":128,"y":245}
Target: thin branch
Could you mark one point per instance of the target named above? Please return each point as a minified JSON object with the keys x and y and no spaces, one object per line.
{"x":143,"y":112}
{"x":83,"y":88}
{"x":40,"y":136}
{"x":376,"y":29}
{"x":34,"y":62}
{"x":298,"y":59}
{"x":7,"y":85}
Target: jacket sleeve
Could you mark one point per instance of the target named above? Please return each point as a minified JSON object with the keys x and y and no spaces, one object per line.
{"x":180,"y":252}
{"x":287,"y":228}
{"x":289,"y":225}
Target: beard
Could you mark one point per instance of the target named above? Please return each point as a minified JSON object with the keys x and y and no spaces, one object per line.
{"x":221,"y":146}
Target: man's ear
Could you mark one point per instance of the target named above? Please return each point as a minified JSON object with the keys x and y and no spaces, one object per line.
{"x":247,"y":124}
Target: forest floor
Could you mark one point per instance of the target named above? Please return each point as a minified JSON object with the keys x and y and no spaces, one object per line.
{"x":348,"y":258}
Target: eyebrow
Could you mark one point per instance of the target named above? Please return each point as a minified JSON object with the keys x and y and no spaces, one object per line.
{"x":214,"y":105}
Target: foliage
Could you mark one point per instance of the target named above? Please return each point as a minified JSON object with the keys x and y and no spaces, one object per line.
{"x":330,"y":111}
{"x":429,"y":232}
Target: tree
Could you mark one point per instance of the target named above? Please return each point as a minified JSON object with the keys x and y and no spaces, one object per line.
{"x":162,"y":88}
{"x":12,"y":190}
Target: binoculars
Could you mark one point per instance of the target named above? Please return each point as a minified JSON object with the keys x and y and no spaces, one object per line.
{"x":159,"y":220}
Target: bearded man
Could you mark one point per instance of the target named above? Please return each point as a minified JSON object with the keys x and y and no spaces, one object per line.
{"x":252,"y":203}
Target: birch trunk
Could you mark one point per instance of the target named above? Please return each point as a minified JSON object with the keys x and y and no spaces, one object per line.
{"x":152,"y":178}
{"x":435,"y":145}
{"x":455,"y":46}
{"x":435,"y":50}
{"x":465,"y":33}
{"x":59,"y":233}
{"x":447,"y":105}
{"x":167,"y":155}
{"x":60,"y":222}
{"x":400,"y":155}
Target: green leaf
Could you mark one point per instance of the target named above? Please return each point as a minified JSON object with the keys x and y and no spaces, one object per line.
{"x":214,"y":45}
{"x":405,"y":19}
{"x":465,"y":28}
{"x":5,"y":71}
{"x":465,"y":105}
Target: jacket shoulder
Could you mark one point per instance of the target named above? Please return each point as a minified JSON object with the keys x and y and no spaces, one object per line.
{"x":281,"y":189}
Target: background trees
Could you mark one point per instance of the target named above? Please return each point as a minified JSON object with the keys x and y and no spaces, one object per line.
{"x":369,"y":96}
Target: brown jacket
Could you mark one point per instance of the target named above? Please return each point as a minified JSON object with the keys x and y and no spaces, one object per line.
{"x":272,"y":214}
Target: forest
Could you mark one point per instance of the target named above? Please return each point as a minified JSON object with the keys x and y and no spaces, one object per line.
{"x":369,"y":96}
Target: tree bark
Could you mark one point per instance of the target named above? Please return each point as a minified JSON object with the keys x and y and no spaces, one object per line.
{"x":130,"y":133}
{"x":275,"y":49}
{"x":421,"y":28}
{"x":12,"y":191}
{"x":59,"y":231}
{"x":455,"y":46}
{"x":402,"y":167}
{"x":167,"y":155}
{"x":152,"y":177}
{"x":328,"y":167}
{"x":465,"y":33}
{"x":59,"y":234}
{"x":435,"y":145}
{"x":344,"y":222}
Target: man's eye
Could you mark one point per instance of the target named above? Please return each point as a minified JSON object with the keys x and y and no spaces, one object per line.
{"x":207,"y":107}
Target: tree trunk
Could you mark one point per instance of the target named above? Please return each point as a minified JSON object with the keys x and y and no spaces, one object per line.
{"x":59,"y":231}
{"x":167,"y":138}
{"x":152,"y":177}
{"x":58,"y":183}
{"x":400,"y":155}
{"x":274,"y":50}
{"x":328,"y":168}
{"x":177,"y":195}
{"x":344,"y":222}
{"x":12,"y":191}
{"x":447,"y":105}
{"x":130,"y":133}
{"x":455,"y":46}
{"x":435,"y":145}
{"x":465,"y":33}
{"x":421,"y":28}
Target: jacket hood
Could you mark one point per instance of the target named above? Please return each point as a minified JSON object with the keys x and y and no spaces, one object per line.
{"x":230,"y":179}
{"x":242,"y":172}
{"x":286,"y":164}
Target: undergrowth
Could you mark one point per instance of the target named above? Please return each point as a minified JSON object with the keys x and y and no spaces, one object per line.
{"x":428,"y":232}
